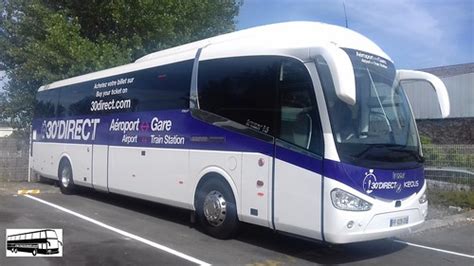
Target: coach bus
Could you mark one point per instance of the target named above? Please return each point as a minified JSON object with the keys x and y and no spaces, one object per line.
{"x":42,"y":241}
{"x":301,"y":127}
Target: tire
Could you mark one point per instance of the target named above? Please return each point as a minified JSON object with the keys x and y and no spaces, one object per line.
{"x":216,"y":209}
{"x":34,"y":252}
{"x":66,"y":182}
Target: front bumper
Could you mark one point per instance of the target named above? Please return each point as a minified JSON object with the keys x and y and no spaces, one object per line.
{"x":349,"y":226}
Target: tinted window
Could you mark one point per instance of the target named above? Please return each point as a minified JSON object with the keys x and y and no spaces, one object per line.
{"x":46,"y":103}
{"x":74,"y":100}
{"x":240,"y":89}
{"x":164,"y":87}
{"x":157,"y":88}
{"x":299,"y":117}
{"x":271,"y":94}
{"x":51,"y":234}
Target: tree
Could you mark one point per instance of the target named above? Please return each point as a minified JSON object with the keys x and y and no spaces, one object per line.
{"x":42,"y":41}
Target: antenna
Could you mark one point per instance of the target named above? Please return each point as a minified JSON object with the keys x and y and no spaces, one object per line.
{"x":345,"y":14}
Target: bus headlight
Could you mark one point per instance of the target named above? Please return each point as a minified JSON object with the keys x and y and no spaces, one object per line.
{"x":346,"y":201}
{"x":423,"y":198}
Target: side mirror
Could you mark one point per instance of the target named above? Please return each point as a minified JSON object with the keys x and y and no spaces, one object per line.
{"x":342,"y":71}
{"x":434,"y":81}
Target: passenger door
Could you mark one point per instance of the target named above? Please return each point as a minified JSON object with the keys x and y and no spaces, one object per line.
{"x":243,"y":90}
{"x":298,"y":161}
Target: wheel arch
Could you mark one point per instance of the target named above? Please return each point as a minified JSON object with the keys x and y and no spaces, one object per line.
{"x":65,"y":157}
{"x":216,"y":173}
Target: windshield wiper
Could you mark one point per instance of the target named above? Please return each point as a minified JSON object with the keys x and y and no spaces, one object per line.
{"x":414,"y":153}
{"x":391,"y":147}
{"x":371,"y":147}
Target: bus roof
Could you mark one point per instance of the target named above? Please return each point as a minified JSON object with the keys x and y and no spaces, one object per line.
{"x":44,"y":230}
{"x":280,"y":37}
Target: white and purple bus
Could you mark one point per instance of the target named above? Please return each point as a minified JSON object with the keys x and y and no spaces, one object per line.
{"x":301,"y":127}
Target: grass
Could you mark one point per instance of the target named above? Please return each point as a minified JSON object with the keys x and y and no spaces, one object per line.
{"x":463,"y":199}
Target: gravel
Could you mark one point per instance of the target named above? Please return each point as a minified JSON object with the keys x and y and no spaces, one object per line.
{"x":440,"y":211}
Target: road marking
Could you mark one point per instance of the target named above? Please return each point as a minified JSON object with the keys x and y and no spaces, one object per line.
{"x":28,"y":191}
{"x":126,"y":234}
{"x":435,"y":249}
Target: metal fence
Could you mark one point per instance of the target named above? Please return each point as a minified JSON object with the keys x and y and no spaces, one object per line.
{"x":13,"y":159}
{"x":450,"y":163}
{"x":444,"y":163}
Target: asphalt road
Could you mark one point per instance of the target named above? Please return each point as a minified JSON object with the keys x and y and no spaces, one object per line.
{"x":89,"y":243}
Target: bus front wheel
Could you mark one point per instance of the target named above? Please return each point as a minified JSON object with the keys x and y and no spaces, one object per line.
{"x":216,"y":209}
{"x":34,"y":252}
{"x":66,"y":183}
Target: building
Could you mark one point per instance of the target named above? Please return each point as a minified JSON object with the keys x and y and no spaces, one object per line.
{"x":458,"y":128}
{"x":5,"y":130}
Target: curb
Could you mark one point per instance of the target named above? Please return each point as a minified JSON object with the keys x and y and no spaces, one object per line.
{"x":28,"y":191}
{"x":446,"y":221}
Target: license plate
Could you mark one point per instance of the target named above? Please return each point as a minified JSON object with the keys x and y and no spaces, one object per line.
{"x":398,"y":221}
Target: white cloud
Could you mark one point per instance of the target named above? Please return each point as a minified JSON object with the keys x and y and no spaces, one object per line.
{"x":398,"y":18}
{"x":416,"y":33}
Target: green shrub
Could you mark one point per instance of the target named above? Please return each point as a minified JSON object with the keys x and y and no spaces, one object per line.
{"x":425,"y":139}
{"x":463,"y":199}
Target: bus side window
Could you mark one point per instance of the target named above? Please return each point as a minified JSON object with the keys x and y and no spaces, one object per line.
{"x":42,"y":234}
{"x":36,"y":235}
{"x":242,"y":89}
{"x":299,"y":120}
{"x":74,"y":100}
{"x":162,"y":88}
{"x":46,"y":103}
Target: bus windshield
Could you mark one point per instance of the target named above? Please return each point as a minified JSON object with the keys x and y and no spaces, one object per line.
{"x":379,"y":127}
{"x":51,"y":234}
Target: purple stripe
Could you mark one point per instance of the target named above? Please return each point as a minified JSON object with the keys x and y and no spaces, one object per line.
{"x":178,"y":129}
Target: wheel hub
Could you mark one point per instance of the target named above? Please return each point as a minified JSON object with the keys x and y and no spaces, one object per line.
{"x":215,"y":208}
{"x":65,"y":177}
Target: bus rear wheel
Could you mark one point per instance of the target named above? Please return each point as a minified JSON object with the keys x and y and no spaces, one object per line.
{"x":66,"y":182}
{"x":216,"y":209}
{"x":34,"y":252}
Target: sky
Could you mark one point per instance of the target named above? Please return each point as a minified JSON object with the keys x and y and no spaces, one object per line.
{"x":2,"y":77}
{"x":414,"y":33}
